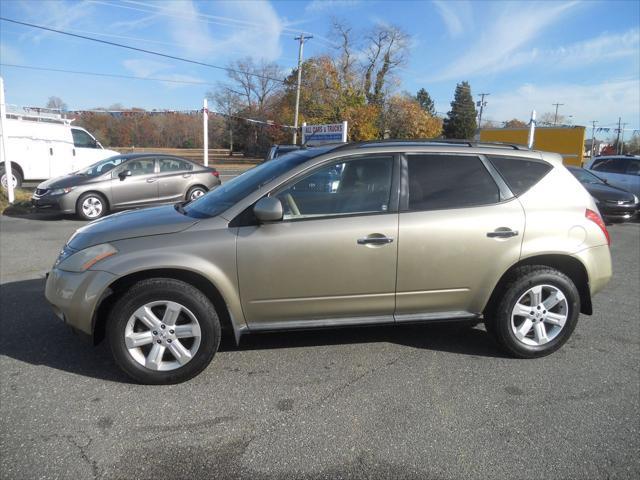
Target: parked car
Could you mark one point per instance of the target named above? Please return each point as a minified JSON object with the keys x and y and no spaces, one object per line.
{"x":615,"y":204}
{"x":125,"y":181}
{"x":622,"y":171}
{"x":42,"y":146}
{"x":412,"y":232}
{"x":278,"y":150}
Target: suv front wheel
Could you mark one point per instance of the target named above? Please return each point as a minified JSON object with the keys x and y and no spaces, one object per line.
{"x":536,"y":314}
{"x":163,"y":331}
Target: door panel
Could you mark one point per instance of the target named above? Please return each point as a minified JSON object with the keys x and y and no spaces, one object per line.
{"x":173,"y":176}
{"x":138,"y":189}
{"x":446,"y":261}
{"x":316,"y":269}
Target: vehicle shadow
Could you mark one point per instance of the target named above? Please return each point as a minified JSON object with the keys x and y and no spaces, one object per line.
{"x":36,"y":215}
{"x":33,"y":334}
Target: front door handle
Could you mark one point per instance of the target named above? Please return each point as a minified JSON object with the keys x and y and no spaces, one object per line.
{"x":151,"y":180}
{"x":502,"y":232}
{"x":375,"y":239}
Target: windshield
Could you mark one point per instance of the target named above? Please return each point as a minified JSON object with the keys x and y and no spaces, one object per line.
{"x":585,"y":177}
{"x":220,"y":199}
{"x":103,"y":166}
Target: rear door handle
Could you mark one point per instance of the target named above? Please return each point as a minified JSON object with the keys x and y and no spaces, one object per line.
{"x":502,"y":232}
{"x":375,"y":240}
{"x":151,"y":180}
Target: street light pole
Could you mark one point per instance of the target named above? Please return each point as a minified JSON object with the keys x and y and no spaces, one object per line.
{"x":301,"y":39}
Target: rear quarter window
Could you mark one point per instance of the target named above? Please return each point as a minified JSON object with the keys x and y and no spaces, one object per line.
{"x":518,"y":173}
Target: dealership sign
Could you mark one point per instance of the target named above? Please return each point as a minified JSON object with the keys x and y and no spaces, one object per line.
{"x":328,"y":133}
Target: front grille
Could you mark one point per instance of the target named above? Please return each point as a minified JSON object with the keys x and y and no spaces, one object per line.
{"x":41,"y":191}
{"x":620,"y":203}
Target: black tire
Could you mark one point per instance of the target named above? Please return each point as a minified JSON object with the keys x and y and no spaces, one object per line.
{"x":194,"y":189}
{"x":97,"y":197}
{"x":16,"y":175}
{"x":498,"y":323}
{"x":163,"y":289}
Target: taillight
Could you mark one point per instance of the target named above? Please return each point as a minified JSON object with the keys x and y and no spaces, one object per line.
{"x":215,"y":174}
{"x":597,"y":219}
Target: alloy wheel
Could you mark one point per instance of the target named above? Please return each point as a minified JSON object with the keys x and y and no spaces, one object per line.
{"x":92,"y":207}
{"x":539,"y":315}
{"x":162,"y":335}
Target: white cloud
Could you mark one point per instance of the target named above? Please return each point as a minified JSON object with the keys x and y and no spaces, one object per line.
{"x":317,"y":6}
{"x":455,"y":16}
{"x":9,"y":54}
{"x":178,"y":78}
{"x":144,"y":68}
{"x":59,"y":14}
{"x":599,"y":101}
{"x":515,"y":26}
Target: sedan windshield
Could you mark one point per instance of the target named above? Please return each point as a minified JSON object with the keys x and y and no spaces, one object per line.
{"x":220,"y":199}
{"x":103,"y":166}
{"x":585,"y":177}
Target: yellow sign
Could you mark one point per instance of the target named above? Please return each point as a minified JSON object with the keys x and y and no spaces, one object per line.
{"x":567,"y":141}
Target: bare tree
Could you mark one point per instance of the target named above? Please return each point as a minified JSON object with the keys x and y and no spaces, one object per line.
{"x":56,"y":103}
{"x":254,"y":82}
{"x":228,"y":103}
{"x":387,"y":49}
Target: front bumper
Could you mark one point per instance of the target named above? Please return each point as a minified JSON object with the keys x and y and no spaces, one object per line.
{"x":59,"y":203}
{"x":75,"y":296}
{"x":612,"y":211}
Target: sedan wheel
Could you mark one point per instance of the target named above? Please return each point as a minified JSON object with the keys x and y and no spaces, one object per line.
{"x":196,"y":192}
{"x":92,"y":207}
{"x":162,"y":335}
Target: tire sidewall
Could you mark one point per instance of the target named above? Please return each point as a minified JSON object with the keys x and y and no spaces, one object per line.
{"x":83,"y":197}
{"x":16,"y":175}
{"x":172,"y":290}
{"x":502,"y":324}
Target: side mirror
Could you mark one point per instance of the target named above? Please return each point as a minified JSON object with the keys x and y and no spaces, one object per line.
{"x":268,"y":209}
{"x":124,"y":174}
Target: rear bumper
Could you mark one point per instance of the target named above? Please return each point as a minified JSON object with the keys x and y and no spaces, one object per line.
{"x":597,"y":261}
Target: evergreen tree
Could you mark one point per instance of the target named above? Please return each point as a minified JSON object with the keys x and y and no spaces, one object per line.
{"x":461,"y":119}
{"x":425,"y":101}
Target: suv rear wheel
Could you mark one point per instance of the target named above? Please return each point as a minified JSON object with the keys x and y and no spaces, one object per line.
{"x":163,"y":331}
{"x":537,"y":312}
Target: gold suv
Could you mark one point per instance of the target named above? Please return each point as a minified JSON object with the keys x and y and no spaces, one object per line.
{"x":385,"y":232}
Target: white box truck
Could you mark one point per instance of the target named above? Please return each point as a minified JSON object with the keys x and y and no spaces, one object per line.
{"x":43,"y":145}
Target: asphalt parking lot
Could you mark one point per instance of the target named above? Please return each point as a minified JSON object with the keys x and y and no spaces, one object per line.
{"x":434,"y":402}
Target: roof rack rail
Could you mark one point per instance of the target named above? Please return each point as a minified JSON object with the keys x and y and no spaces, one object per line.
{"x":428,"y":142}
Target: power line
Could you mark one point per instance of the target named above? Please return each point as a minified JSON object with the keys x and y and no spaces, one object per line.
{"x":100,"y":74}
{"x":151,"y":52}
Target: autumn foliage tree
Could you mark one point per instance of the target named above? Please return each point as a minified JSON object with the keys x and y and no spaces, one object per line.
{"x":405,"y":118}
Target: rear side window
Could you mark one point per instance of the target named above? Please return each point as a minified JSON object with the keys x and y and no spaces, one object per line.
{"x":610,"y":165}
{"x":438,"y":182}
{"x":634,"y":167}
{"x":520,"y":174}
{"x":168,"y":165}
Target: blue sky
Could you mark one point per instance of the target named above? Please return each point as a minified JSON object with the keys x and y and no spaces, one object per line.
{"x":584,"y":54}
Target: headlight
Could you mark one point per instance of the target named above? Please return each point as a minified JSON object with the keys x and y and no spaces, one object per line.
{"x":84,"y":259}
{"x":61,"y":191}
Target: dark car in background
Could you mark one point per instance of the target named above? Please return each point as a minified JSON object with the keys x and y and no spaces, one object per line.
{"x":278,"y":150}
{"x":125,"y":181}
{"x":615,"y":204}
{"x":622,"y":171}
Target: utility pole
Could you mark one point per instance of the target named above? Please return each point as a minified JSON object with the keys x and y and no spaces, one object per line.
{"x":622,"y":139}
{"x":593,"y":138}
{"x":618,"y":137}
{"x":481,"y":104}
{"x":555,"y":119}
{"x":301,"y":39}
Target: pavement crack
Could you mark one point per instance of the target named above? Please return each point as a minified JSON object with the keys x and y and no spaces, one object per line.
{"x":83,"y":449}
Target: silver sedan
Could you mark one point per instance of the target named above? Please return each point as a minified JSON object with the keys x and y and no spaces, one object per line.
{"x":125,"y":181}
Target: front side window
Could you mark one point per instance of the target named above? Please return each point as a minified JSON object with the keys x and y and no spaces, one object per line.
{"x":438,"y":182}
{"x":610,"y":165}
{"x":168,"y":165}
{"x":82,"y":139}
{"x":359,"y":186}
